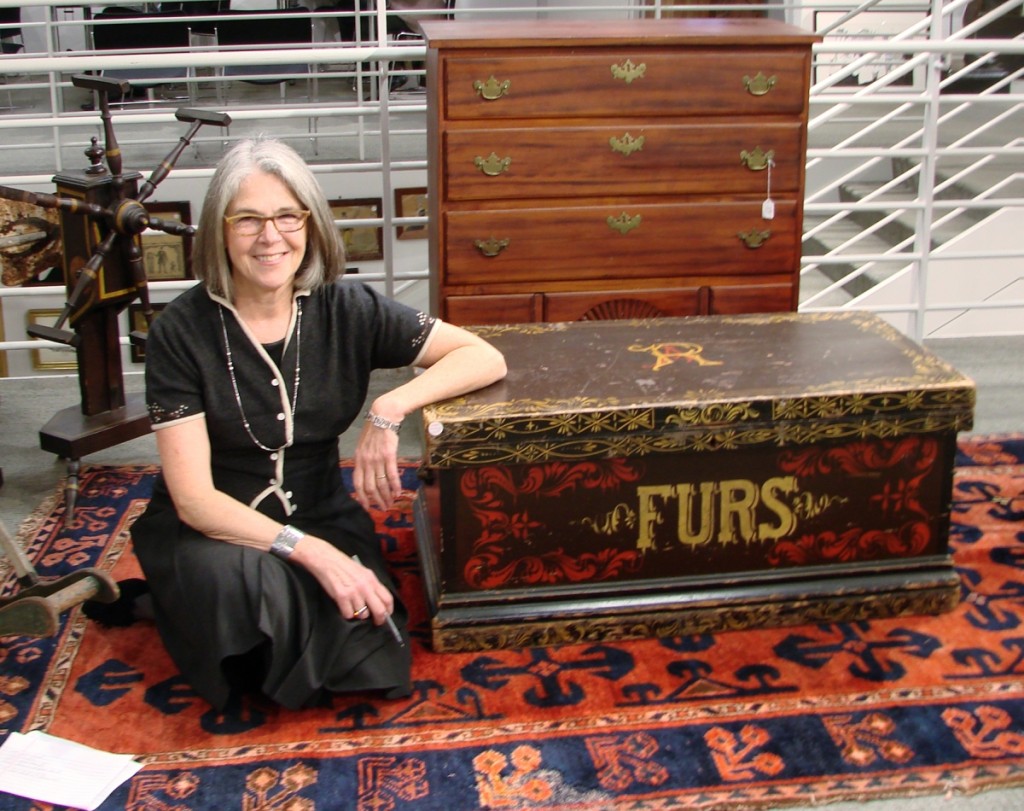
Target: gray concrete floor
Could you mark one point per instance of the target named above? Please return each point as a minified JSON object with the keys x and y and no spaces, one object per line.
{"x":31,"y":474}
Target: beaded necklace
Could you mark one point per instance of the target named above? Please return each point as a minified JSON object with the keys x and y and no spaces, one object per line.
{"x":234,"y":382}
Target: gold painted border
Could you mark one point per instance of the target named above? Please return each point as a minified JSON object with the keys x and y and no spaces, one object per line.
{"x":576,"y":448}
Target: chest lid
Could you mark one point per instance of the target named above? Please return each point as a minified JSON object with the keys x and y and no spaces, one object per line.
{"x":607,"y":389}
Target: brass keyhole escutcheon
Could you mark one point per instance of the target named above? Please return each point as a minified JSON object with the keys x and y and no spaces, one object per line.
{"x":627,"y":144}
{"x":754,"y":239}
{"x":492,"y":165}
{"x":757,"y":159}
{"x":760,"y":85}
{"x":490,"y":247}
{"x":492,"y":89}
{"x":628,"y":71}
{"x":624,"y":223}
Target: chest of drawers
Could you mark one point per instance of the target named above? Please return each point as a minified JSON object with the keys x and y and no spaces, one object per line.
{"x":614,"y":169}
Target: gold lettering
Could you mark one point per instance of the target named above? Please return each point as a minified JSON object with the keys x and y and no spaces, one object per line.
{"x":696,"y":525}
{"x":650,"y":516}
{"x":722,"y":512}
{"x":770,"y":491}
{"x":738,"y":500}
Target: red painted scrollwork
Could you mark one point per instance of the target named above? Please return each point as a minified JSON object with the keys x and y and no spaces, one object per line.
{"x":505,"y":553}
{"x":902,"y":465}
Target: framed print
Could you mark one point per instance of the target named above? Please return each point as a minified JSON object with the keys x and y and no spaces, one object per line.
{"x":51,"y":357}
{"x":33,"y":253}
{"x":167,"y":257}
{"x":137,"y":323}
{"x":362,"y":242}
{"x":411,"y":203}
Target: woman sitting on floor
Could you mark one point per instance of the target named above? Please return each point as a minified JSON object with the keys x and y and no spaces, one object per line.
{"x":264,"y":572}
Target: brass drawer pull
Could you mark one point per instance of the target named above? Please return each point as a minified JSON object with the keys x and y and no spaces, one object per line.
{"x":628,"y":71}
{"x":490,"y":247}
{"x":627,"y":144}
{"x":757,"y":160}
{"x":492,"y":89}
{"x":624,"y":223}
{"x":755,"y":238}
{"x":760,"y":85}
{"x":492,"y":165}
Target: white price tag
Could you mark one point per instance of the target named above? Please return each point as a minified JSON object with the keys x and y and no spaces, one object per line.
{"x":768,"y":206}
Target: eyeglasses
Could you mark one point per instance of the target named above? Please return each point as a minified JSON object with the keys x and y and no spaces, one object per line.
{"x":249,"y":225}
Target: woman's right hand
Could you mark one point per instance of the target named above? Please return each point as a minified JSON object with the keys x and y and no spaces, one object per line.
{"x":355,"y":589}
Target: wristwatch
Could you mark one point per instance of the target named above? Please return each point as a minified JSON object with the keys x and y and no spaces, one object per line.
{"x":378,"y":421}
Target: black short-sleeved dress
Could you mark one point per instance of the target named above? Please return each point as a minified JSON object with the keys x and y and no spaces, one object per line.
{"x":230,"y":614}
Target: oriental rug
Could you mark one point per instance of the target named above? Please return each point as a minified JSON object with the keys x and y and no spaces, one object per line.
{"x":747,"y":719}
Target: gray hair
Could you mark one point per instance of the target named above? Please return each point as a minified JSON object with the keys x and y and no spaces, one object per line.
{"x":325,"y":254}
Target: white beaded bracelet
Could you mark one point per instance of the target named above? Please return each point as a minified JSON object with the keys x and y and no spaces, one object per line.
{"x":284,"y":543}
{"x":378,"y":421}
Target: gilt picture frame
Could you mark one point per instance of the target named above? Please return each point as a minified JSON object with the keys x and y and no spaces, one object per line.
{"x":137,"y":323}
{"x":50,"y":358}
{"x":362,"y":242}
{"x":411,"y":202}
{"x":168,"y":257}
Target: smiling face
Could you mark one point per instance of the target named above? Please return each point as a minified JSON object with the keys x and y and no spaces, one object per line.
{"x":268,"y":261}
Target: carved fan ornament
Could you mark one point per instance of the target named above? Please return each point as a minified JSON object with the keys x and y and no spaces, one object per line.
{"x":622,"y":308}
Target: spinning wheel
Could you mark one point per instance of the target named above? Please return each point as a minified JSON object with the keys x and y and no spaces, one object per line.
{"x":36,"y":608}
{"x":101,"y":216}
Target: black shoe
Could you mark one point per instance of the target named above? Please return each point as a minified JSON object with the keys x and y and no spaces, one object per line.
{"x":132,"y":605}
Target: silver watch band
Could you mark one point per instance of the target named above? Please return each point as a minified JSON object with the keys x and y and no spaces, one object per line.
{"x":378,"y":421}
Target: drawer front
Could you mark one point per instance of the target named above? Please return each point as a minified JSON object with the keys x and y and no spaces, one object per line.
{"x":751,"y":298}
{"x":618,"y":241}
{"x":524,"y":163}
{"x":588,"y":83}
{"x":513,"y":308}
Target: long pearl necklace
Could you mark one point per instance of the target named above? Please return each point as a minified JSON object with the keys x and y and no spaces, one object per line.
{"x":234,"y":382}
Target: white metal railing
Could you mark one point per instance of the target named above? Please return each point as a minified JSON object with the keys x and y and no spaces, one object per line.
{"x":914,"y":165}
{"x":955,"y":159}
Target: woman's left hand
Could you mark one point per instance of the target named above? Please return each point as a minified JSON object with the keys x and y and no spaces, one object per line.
{"x":375,"y":476}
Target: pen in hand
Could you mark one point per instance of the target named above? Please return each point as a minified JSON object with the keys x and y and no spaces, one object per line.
{"x":387,"y":618}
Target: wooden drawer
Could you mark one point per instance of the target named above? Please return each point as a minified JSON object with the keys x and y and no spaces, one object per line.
{"x":695,"y":82}
{"x":580,"y":242}
{"x":622,"y":159}
{"x":512,"y":308}
{"x":751,"y":298}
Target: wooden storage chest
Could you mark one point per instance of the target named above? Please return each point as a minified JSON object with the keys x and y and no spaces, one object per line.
{"x":588,"y":170}
{"x":673,"y":476}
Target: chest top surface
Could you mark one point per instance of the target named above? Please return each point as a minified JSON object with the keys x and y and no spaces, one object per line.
{"x":516,"y":34}
{"x":770,"y":376}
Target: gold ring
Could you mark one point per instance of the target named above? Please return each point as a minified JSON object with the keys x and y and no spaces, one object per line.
{"x":382,"y":477}
{"x":360,"y":611}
